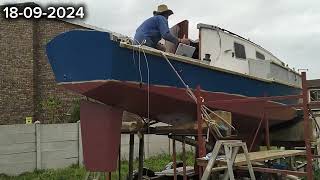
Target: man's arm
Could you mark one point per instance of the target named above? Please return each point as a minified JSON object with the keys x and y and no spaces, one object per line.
{"x":165,"y":31}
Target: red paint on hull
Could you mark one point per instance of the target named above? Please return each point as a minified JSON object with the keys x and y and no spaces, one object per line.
{"x":173,"y":105}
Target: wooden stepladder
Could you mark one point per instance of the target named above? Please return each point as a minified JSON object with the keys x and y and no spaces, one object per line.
{"x":231,"y":149}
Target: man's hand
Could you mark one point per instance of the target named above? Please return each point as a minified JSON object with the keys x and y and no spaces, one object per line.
{"x":161,"y":47}
{"x":184,"y":40}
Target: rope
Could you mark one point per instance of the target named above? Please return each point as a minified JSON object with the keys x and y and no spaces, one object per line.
{"x":189,"y":92}
{"x":219,"y":117}
{"x":204,"y":114}
{"x":141,"y":78}
{"x":148,"y":88}
{"x":204,"y":110}
{"x":134,"y":60}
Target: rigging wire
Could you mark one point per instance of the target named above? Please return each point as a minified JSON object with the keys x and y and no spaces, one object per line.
{"x":148,"y":88}
{"x":139,"y":61}
{"x":204,"y":110}
{"x":141,"y":79}
{"x":204,"y":114}
{"x":189,"y":91}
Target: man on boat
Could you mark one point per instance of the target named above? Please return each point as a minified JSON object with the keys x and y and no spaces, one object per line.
{"x":153,"y":29}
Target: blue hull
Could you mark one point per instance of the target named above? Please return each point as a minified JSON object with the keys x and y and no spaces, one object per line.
{"x":91,"y":55}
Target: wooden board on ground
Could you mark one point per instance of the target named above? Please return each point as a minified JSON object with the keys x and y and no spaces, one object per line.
{"x":259,"y":156}
{"x":169,"y":172}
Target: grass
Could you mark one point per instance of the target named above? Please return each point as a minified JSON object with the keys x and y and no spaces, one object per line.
{"x":74,"y":172}
{"x":317,"y":174}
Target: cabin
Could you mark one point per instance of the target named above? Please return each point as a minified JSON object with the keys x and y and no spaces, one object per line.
{"x":314,"y":90}
{"x":223,"y":49}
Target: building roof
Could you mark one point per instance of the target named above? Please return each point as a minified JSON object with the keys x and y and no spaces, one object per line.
{"x":24,"y":4}
{"x":314,"y":83}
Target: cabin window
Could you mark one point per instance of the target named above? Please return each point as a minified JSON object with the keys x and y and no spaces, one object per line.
{"x":239,"y":51}
{"x":260,"y":55}
{"x":314,"y":95}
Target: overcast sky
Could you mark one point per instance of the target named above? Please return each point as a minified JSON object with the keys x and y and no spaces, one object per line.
{"x":290,"y":29}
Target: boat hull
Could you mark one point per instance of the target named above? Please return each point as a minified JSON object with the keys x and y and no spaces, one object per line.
{"x":173,"y":105}
{"x":89,"y":63}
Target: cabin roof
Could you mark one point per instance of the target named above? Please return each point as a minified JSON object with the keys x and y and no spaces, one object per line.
{"x":201,"y":25}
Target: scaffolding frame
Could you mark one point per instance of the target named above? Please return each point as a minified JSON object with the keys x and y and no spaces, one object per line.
{"x":305,"y":106}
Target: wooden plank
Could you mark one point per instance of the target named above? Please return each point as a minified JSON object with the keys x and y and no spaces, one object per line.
{"x":246,"y":155}
{"x":220,"y":117}
{"x":212,"y":160}
{"x":274,"y":171}
{"x":60,"y":145}
{"x":17,"y":148}
{"x":292,"y":133}
{"x":218,"y":169}
{"x":267,"y":155}
{"x":17,"y":128}
{"x":169,"y":172}
{"x":59,"y":163}
{"x":128,"y":127}
{"x":16,"y":138}
{"x":259,"y":156}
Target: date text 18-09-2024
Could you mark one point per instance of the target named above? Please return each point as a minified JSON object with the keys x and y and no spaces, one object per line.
{"x":50,"y":12}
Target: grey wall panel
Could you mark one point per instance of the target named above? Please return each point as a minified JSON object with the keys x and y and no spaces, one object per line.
{"x":16,"y":138}
{"x":17,"y":148}
{"x":61,"y":145}
{"x":59,"y":163}
{"x":17,"y":128}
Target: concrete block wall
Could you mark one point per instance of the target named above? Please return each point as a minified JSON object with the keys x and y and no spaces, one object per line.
{"x":24,"y":148}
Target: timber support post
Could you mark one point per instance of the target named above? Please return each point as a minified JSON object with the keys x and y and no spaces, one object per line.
{"x":141,"y":152}
{"x":131,"y":150}
{"x":306,"y":123}
{"x":201,"y":143}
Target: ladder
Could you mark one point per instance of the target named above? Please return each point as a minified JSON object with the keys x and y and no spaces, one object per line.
{"x":231,"y":149}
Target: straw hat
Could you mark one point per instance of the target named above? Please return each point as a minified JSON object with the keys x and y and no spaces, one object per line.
{"x":163,"y":9}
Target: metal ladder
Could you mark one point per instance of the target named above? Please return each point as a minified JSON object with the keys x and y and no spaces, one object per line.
{"x":231,"y":149}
